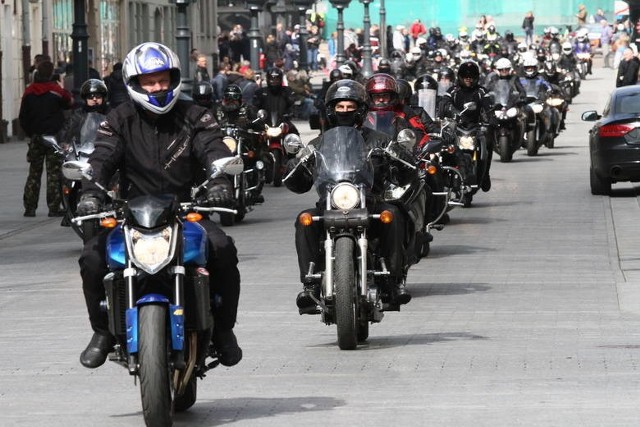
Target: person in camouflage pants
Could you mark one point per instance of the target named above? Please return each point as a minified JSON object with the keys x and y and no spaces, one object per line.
{"x":37,"y":155}
{"x":42,"y":113}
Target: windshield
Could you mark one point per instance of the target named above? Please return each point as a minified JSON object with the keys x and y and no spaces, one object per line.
{"x":88,"y":132}
{"x":502,"y":91}
{"x":531,"y":87}
{"x":382,"y":121}
{"x":342,"y":155}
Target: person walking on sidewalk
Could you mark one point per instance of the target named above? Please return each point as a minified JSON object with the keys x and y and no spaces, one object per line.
{"x":628,"y":69}
{"x":42,"y":113}
{"x":606,"y":35}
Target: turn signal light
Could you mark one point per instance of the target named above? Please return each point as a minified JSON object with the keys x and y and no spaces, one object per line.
{"x":251,"y":155}
{"x":109,"y":222}
{"x":616,"y":130}
{"x":66,"y":190}
{"x":305,"y":219}
{"x":431,"y":170}
{"x":386,"y":217}
{"x":193,"y":217}
{"x":451,"y":149}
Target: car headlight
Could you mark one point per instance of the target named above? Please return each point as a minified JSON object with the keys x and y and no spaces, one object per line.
{"x":151,"y":251}
{"x":345,"y":196}
{"x":274,"y":132}
{"x":512,"y":112}
{"x":466,"y":142}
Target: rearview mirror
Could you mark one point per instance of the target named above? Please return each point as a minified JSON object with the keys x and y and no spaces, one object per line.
{"x":292,"y":143}
{"x":590,"y":116}
{"x":75,"y":170}
{"x":407,"y":139}
{"x":227,"y":165}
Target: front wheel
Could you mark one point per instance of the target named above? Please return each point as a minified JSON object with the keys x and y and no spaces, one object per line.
{"x":278,"y":168}
{"x":155,"y":386}
{"x":505,"y":149}
{"x":345,"y":294}
{"x":532,"y":145}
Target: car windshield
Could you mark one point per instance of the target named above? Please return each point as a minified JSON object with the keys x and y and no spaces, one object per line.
{"x":628,"y":103}
{"x":342,"y":155}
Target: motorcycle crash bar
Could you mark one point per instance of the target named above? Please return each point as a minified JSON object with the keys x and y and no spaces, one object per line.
{"x":306,"y":219}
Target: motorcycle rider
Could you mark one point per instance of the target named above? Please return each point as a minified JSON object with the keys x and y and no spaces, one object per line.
{"x":94,"y":93}
{"x":139,"y":139}
{"x":583,"y":45}
{"x":531,"y":76}
{"x":276,"y":98}
{"x":467,"y":89}
{"x":203,"y":94}
{"x":346,"y":103}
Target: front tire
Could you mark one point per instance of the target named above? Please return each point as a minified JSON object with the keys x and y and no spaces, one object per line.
{"x":155,"y":385}
{"x":532,"y":145}
{"x":505,"y":149}
{"x":345,"y":294}
{"x":278,"y":168}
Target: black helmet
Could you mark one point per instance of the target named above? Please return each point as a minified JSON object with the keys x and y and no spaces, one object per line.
{"x":335,"y":75}
{"x":232,"y":98}
{"x":425,"y":81}
{"x":203,"y":94}
{"x":404,"y":91}
{"x":346,"y":90}
{"x":93,"y":87}
{"x":275,"y":76}
{"x":508,"y":35}
{"x":384,"y":66}
{"x":446,"y":73}
{"x":469,"y":69}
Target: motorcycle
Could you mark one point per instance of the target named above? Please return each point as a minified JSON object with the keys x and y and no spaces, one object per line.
{"x":277,"y":128}
{"x":355,"y":288}
{"x":569,"y":83}
{"x":247,"y":186}
{"x":557,"y":107}
{"x":508,"y":122}
{"x":157,"y":291}
{"x":583,"y":63}
{"x":539,"y":130}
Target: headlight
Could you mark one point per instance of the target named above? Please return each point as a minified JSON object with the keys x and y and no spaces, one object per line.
{"x":512,"y":112}
{"x":231,"y":143}
{"x":537,"y":108}
{"x":151,"y":251}
{"x":274,"y":132}
{"x":555,"y":102}
{"x":292,"y":143}
{"x":500,"y":114}
{"x":466,"y":142}
{"x":345,"y":196}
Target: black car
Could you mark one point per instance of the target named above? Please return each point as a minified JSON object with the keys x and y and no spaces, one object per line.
{"x":614,"y":140}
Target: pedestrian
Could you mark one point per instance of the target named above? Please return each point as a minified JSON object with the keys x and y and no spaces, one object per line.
{"x":248,"y":85}
{"x":628,"y":69}
{"x":606,"y":35}
{"x":417,"y":30}
{"x":527,"y":26}
{"x":271,"y":50}
{"x":117,"y":91}
{"x":42,"y":113}
{"x":202,"y":73}
{"x":398,"y":39}
{"x":582,"y":15}
{"x":599,"y":16}
{"x":313,"y":44}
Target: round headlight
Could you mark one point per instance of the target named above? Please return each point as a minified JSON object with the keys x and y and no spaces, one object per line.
{"x":292,"y":143}
{"x":345,"y":196}
{"x":512,"y":112}
{"x":230,"y":142}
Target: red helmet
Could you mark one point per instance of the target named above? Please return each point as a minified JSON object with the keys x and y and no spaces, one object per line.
{"x":382,"y":84}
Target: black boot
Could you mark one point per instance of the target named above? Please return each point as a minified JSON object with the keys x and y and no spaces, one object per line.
{"x":486,"y":183}
{"x":97,"y":351}
{"x":402,"y":294}
{"x":226,"y":346}
{"x":305,"y":299}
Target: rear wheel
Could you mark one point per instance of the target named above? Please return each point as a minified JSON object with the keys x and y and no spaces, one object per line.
{"x":345,"y":295}
{"x":155,"y":385}
{"x":599,"y":186}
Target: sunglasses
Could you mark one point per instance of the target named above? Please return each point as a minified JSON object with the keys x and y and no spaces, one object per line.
{"x":94,"y":96}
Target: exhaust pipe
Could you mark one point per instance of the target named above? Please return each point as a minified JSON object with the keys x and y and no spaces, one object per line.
{"x":615,"y":171}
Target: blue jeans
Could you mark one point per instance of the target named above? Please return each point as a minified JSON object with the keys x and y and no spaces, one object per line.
{"x":312,"y":58}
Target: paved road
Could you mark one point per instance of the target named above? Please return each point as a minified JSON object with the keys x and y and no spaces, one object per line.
{"x":525,"y":313}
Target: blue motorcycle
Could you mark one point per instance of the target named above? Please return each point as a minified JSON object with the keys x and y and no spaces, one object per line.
{"x":157,"y":291}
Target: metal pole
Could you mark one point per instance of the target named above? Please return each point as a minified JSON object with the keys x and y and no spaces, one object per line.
{"x":302,"y":62}
{"x":367,"y":66}
{"x":215,"y":55}
{"x":254,"y":36}
{"x":383,"y":30}
{"x":340,"y":57}
{"x":26,"y":42}
{"x":183,"y":37}
{"x":45,"y":31}
{"x":79,"y":36}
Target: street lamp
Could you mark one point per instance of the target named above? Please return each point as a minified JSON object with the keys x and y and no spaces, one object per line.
{"x":303,"y":5}
{"x":183,"y":35}
{"x":340,"y":5}
{"x":254,"y":7}
{"x":367,"y":68}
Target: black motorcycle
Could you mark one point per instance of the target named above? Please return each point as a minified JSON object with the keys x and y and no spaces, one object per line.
{"x":539,"y":131}
{"x":157,"y":292}
{"x":509,"y":125}
{"x":354,"y":281}
{"x":247,"y":186}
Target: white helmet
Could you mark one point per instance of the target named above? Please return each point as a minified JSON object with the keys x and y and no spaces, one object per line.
{"x":567,"y":48}
{"x":347,"y":72}
{"x":503,"y":64}
{"x":148,"y":58}
{"x":522,"y":47}
{"x":530,"y":66}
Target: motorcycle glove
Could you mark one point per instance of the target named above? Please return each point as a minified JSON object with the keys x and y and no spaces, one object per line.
{"x":88,"y":205}
{"x":220,"y":194}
